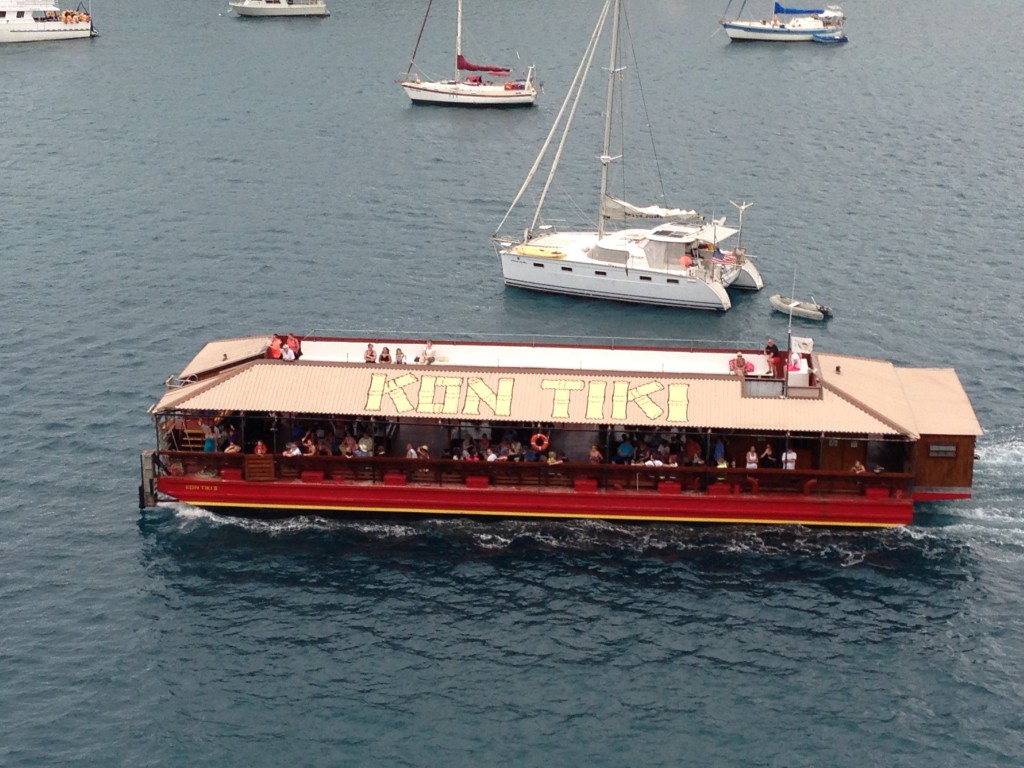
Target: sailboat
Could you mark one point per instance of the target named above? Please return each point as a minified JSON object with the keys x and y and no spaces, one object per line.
{"x":788,"y":25}
{"x":472,"y":90}
{"x":671,"y":256}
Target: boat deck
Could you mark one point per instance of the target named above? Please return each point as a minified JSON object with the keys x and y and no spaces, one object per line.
{"x":477,"y":355}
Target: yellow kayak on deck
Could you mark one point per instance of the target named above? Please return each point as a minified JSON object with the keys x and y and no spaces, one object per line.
{"x":539,"y":251}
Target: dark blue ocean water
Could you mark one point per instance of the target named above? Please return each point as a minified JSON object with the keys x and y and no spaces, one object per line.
{"x":189,"y":175}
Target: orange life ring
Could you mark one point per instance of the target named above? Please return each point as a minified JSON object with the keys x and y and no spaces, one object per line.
{"x":539,"y":442}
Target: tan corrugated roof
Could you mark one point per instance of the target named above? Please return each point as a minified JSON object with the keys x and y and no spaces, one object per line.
{"x":929,"y":401}
{"x":223,"y":352}
{"x":575,"y":397}
{"x":939,"y":402}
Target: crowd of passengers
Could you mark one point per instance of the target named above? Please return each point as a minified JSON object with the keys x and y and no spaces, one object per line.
{"x":289,"y":347}
{"x":367,"y":438}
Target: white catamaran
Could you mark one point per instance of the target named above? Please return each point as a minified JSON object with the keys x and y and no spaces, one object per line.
{"x":472,"y":90}
{"x":672,"y":259}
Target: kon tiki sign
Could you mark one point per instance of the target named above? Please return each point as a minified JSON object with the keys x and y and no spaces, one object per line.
{"x":530,"y":397}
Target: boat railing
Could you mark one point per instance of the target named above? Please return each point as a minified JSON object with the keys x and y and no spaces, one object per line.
{"x":577,"y":476}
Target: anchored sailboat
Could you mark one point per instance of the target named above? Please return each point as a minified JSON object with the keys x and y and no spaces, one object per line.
{"x":471,"y":90}
{"x":676,"y":262}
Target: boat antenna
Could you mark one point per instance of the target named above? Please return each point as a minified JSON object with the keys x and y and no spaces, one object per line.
{"x":741,"y":207}
{"x":792,"y":301}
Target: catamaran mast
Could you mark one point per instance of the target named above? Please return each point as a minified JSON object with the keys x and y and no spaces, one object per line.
{"x":606,"y":147}
{"x":458,"y":39}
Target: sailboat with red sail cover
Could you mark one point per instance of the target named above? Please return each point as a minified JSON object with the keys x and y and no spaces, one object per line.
{"x":469,"y":90}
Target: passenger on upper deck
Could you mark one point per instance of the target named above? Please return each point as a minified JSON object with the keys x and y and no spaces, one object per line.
{"x":739,"y":365}
{"x":295,"y":345}
{"x":428,"y":355}
{"x":776,"y":363}
{"x":369,"y":356}
{"x":399,"y":356}
{"x":385,"y":356}
{"x":274,"y":351}
{"x":287,"y":353}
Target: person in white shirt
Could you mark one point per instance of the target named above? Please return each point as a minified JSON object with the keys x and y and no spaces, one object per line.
{"x":428,"y":355}
{"x":789,"y":459}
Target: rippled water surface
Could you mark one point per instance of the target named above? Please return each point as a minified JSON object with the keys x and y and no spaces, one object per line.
{"x":190,"y":175}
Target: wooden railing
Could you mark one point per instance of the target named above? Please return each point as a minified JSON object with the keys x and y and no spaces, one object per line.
{"x":697,"y":479}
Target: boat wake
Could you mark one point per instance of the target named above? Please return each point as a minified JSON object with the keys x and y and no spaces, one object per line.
{"x":712,"y":546}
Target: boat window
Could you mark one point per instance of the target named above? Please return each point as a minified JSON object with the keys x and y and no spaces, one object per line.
{"x":942,"y":450}
{"x":600,"y":274}
{"x":567,"y":269}
{"x":537,"y":264}
{"x":3,"y":14}
{"x":613,"y":255}
{"x":673,"y":280}
{"x":646,"y":277}
{"x":21,"y":14}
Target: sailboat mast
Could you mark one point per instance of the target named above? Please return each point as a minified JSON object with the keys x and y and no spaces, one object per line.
{"x":606,"y":147}
{"x":458,"y":39}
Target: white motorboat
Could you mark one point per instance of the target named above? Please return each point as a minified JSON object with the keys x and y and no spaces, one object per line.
{"x":675,"y":260}
{"x":789,"y":25}
{"x":279,"y":7}
{"x":810,"y":310}
{"x":471,"y":90}
{"x":32,"y":21}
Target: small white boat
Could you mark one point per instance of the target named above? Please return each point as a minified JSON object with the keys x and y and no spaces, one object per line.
{"x":790,"y":25}
{"x":279,"y":7}
{"x":831,"y":37}
{"x":811,"y":310}
{"x":33,"y":21}
{"x":471,"y":90}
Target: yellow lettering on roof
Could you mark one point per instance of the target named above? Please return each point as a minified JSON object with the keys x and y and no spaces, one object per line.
{"x":678,"y":403}
{"x":595,"y":400}
{"x":449,"y":404}
{"x":562,"y":388}
{"x":473,"y":396}
{"x":623,"y":395}
{"x":499,"y":402}
{"x":395,"y":389}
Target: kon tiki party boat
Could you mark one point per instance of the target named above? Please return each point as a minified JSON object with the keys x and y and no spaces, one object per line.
{"x":550,"y":430}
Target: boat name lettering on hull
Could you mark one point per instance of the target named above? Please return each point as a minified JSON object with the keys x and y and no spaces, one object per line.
{"x":590,"y":399}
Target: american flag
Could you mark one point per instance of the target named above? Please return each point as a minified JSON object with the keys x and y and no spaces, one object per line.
{"x":724,"y":258}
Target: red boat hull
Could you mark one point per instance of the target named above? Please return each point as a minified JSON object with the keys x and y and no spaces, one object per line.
{"x":720,"y":504}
